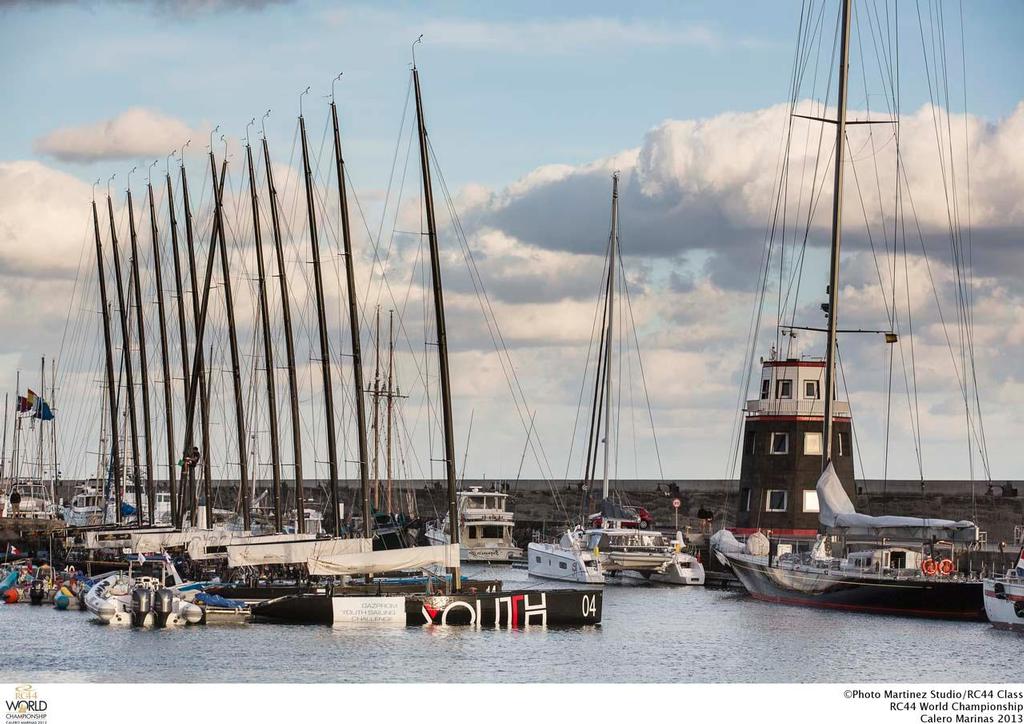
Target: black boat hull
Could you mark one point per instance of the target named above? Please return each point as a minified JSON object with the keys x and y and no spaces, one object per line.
{"x":938,"y":598}
{"x":509,"y":609}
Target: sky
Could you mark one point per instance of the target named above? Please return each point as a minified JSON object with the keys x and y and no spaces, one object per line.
{"x":530,"y":108}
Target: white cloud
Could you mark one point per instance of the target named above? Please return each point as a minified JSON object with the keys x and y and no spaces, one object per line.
{"x":134,"y":134}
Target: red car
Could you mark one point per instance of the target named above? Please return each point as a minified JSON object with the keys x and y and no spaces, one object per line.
{"x":643,"y":519}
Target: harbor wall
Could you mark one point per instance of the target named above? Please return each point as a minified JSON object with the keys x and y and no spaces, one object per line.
{"x":544,"y":506}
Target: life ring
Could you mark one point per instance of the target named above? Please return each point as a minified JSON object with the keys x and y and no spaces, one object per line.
{"x":946,"y":567}
{"x":929,"y":567}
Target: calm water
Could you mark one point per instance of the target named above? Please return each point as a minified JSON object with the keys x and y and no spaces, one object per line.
{"x":649,"y":635}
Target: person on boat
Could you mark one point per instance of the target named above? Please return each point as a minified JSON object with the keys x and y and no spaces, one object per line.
{"x":193,"y":457}
{"x":15,"y":499}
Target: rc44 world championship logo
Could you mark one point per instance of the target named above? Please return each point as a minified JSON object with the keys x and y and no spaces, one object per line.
{"x":26,"y":706}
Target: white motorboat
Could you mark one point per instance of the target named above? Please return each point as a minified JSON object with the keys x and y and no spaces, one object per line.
{"x":645,"y":555}
{"x":567,"y":560}
{"x":485,"y":528}
{"x":1004,"y":598}
{"x":86,"y":506}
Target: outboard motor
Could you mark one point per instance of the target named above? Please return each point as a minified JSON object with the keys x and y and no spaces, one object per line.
{"x":142,"y":605}
{"x":163,"y":606}
{"x":37,"y":592}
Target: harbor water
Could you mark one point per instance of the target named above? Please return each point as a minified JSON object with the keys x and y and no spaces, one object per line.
{"x":649,"y":634}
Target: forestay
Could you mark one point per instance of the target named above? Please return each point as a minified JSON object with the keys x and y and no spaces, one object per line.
{"x":836,"y":512}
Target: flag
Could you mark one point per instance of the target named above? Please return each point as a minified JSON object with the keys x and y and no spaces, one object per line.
{"x":15,"y":551}
{"x":43,"y":411}
{"x":1020,"y":563}
{"x":40,"y":409}
{"x":23,"y":404}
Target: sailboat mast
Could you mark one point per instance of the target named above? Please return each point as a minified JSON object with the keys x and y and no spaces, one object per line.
{"x":268,"y":350}
{"x":143,"y":367}
{"x":837,"y":231}
{"x":3,"y":453}
{"x":376,"y":413}
{"x":236,"y":374}
{"x":126,"y":355}
{"x":42,"y":401}
{"x":196,"y":374}
{"x":442,"y":335}
{"x":609,"y":335}
{"x":325,"y":348}
{"x":17,"y":430}
{"x":390,"y":398}
{"x":353,"y":324}
{"x":182,"y":327}
{"x":289,"y":344}
{"x":164,"y":360}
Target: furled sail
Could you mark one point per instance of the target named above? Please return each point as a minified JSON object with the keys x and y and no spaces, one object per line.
{"x":278,"y":550}
{"x":375,"y":562}
{"x":836,"y":512}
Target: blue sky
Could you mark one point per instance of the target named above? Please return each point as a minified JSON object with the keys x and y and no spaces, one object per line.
{"x":496,"y":111}
{"x":683,"y":97}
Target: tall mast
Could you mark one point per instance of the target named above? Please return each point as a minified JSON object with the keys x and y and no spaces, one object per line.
{"x":102,"y":459}
{"x":42,"y":401}
{"x":289,"y":342}
{"x":609,"y":334}
{"x":837,"y":231}
{"x":126,"y":355}
{"x":143,"y":369}
{"x":3,"y":453}
{"x":325,"y":348}
{"x":17,"y":430}
{"x":182,"y":327}
{"x":353,"y":324}
{"x":236,"y":375}
{"x":164,"y":359}
{"x":390,"y":398}
{"x":376,"y":413}
{"x":196,"y":374}
{"x":268,"y":350}
{"x":442,"y":335}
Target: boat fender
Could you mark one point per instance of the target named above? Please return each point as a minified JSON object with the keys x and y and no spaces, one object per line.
{"x":929,"y":567}
{"x":11,"y":595}
{"x":946,"y":567}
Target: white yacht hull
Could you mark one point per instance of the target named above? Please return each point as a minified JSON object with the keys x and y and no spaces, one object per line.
{"x":478,"y":551}
{"x":1004,"y":602}
{"x":555,"y":562}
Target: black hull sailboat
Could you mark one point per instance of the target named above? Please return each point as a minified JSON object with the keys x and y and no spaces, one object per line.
{"x":887,"y":564}
{"x":513,"y":609}
{"x":938,"y":598}
{"x":464,"y":603}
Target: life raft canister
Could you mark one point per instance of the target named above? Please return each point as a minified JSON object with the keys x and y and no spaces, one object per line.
{"x":946,"y":567}
{"x":929,"y":567}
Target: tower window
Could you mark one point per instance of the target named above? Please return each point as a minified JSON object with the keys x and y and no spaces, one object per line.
{"x":812,"y":443}
{"x":780,"y":443}
{"x":744,"y":500}
{"x":777,"y":500}
{"x":844,"y":443}
{"x":784,"y":389}
{"x":765,"y":386}
{"x":810,"y":501}
{"x":811,"y":390}
{"x":750,"y":447}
